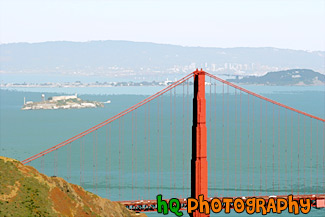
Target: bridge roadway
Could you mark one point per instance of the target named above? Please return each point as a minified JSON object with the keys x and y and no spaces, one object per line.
{"x":317,"y":201}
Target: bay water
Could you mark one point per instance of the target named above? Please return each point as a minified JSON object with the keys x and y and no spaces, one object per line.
{"x":25,"y":133}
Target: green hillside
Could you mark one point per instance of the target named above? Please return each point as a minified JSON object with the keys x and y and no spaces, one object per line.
{"x":26,"y":192}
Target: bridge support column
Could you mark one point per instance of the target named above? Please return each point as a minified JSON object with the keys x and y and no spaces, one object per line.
{"x":199,"y":163}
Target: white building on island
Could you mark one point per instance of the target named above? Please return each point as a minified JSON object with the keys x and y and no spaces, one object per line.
{"x":58,"y":98}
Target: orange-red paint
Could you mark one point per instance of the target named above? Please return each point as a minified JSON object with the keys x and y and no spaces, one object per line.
{"x":199,"y":163}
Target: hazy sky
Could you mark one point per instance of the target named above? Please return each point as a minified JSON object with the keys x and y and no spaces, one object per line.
{"x":291,"y":24}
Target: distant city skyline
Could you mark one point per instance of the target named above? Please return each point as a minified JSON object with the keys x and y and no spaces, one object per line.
{"x":290,"y":24}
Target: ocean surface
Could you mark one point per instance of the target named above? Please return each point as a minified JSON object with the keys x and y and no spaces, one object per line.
{"x":25,"y":133}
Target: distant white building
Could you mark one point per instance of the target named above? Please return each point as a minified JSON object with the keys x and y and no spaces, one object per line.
{"x":58,"y":98}
{"x":167,"y":82}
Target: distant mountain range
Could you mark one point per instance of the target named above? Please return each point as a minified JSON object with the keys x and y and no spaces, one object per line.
{"x":131,"y":58}
{"x":287,"y":77}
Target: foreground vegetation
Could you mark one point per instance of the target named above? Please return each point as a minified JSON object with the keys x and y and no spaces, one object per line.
{"x":26,"y":192}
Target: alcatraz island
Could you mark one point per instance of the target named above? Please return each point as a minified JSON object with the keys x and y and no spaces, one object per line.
{"x":61,"y":102}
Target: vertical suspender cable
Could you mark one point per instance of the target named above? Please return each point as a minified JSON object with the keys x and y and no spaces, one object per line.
{"x":80,"y":162}
{"x":119,"y":158}
{"x":253,"y":148}
{"x":317,"y":157}
{"x":188,"y":137}
{"x":298,"y":153}
{"x":70,"y":162}
{"x":323,"y":157}
{"x":240,"y":142}
{"x":305,"y":155}
{"x":291,"y":151}
{"x":227,"y":137}
{"x":273,"y":149}
{"x":235,"y":140}
{"x":223,"y":139}
{"x":96,"y":159}
{"x":278,"y":149}
{"x":83,"y":162}
{"x":94,"y":150}
{"x":311,"y":151}
{"x":67,"y":150}
{"x":122,"y":155}
{"x":106,"y":161}
{"x":158,"y":144}
{"x":215,"y":134}
{"x":286,"y":150}
{"x":110,"y":160}
{"x":42,"y":164}
{"x":135,"y":154}
{"x":183,"y":142}
{"x":171,"y":138}
{"x":266,"y":148}
{"x":148,"y":150}
{"x":260,"y":147}
{"x":248,"y":145}
{"x":132,"y":150}
{"x":210,"y":121}
{"x":145,"y":152}
{"x":162,"y":142}
{"x":55,"y":162}
{"x":174,"y":122}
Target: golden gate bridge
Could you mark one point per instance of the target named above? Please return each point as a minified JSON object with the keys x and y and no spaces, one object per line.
{"x":218,"y":139}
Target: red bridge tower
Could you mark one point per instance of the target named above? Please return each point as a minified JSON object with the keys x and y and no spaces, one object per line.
{"x":199,"y":163}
